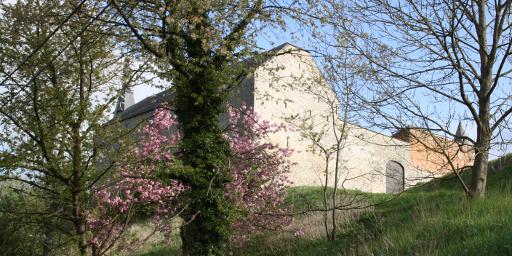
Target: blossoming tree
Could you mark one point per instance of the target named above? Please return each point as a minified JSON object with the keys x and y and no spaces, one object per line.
{"x":259,"y":171}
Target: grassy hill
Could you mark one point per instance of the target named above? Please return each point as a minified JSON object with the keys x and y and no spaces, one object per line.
{"x":437,"y":219}
{"x":433,"y":219}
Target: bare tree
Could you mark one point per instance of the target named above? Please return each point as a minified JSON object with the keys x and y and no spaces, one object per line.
{"x":319,"y":135}
{"x":433,"y":62}
{"x":325,"y":128}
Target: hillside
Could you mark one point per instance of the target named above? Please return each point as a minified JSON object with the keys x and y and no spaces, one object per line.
{"x":437,"y":219}
{"x":432,"y":219}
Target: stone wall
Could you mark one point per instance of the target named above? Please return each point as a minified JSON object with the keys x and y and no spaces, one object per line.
{"x":290,"y":89}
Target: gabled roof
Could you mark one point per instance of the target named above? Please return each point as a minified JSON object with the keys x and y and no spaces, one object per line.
{"x":264,"y":56}
{"x":149,"y":104}
{"x":405,"y":134}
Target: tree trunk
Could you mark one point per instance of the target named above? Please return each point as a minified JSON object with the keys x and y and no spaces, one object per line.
{"x":208,"y":232}
{"x":334,"y":193}
{"x":79,"y":224}
{"x":480,"y":168}
{"x":199,"y":102}
{"x":326,"y":186}
{"x":484,"y":132}
{"x":47,"y":242}
{"x":77,"y":189}
{"x":82,"y":245}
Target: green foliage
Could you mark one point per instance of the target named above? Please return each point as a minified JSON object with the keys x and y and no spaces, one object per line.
{"x":54,"y":109}
{"x":17,"y":235}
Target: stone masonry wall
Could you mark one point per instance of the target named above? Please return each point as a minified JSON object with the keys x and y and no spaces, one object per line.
{"x":289,"y":89}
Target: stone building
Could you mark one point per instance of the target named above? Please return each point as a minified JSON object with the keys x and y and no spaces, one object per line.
{"x":287,"y":87}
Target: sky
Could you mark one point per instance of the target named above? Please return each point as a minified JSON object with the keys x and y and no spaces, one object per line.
{"x":294,"y":35}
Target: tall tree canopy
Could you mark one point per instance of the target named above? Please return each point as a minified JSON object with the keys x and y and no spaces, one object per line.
{"x":59,"y":81}
{"x":199,"y":43}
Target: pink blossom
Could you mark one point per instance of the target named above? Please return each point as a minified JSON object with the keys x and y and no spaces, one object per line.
{"x":259,"y":171}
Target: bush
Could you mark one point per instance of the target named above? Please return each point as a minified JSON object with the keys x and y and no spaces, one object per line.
{"x":17,"y":235}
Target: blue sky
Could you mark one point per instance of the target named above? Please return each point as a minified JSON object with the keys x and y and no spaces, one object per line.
{"x":270,"y":38}
{"x":294,"y":35}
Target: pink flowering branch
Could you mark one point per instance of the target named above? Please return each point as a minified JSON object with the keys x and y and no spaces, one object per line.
{"x":260,"y":170}
{"x":133,"y":189}
{"x":260,"y":177}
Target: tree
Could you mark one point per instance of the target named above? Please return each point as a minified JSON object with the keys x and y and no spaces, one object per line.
{"x":259,"y":170}
{"x":200,"y":43}
{"x":327,"y":128}
{"x":59,"y":81}
{"x":432,"y":62}
{"x":18,"y":235}
{"x":133,"y":192}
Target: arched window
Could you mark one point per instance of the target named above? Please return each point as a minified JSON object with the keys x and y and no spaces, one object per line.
{"x":395,"y":180}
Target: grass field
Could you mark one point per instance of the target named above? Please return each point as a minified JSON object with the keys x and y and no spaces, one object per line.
{"x":433,"y":219}
{"x":437,"y":219}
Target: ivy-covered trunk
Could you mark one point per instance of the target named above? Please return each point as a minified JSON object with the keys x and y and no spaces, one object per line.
{"x":199,"y":102}
{"x":201,"y":41}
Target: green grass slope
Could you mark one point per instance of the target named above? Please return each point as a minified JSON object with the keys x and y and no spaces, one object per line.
{"x":433,"y":219}
{"x":437,"y":219}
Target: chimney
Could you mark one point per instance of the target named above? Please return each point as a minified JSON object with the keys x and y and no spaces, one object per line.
{"x":126,"y":100}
